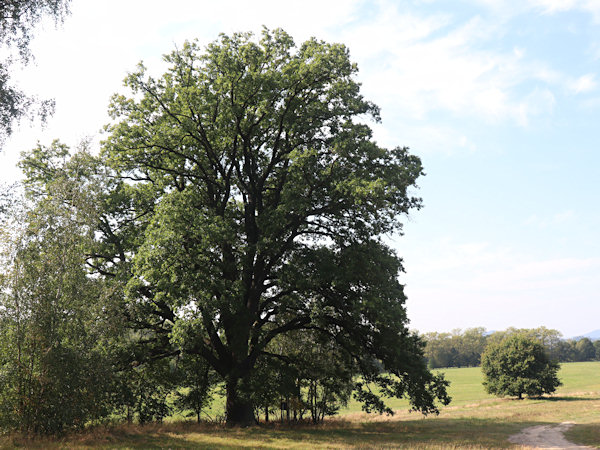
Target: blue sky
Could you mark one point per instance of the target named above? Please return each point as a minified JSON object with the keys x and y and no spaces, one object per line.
{"x":500,"y":99}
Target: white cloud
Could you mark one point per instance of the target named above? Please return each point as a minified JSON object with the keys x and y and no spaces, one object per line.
{"x":427,"y":138}
{"x":504,"y":9}
{"x":508,"y":8}
{"x":554,"y":6}
{"x":558,"y":6}
{"x":583,"y":84}
{"x":413,"y":64}
{"x":538,"y":102}
{"x":438,"y":64}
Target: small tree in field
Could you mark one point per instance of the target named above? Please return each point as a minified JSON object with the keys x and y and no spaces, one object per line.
{"x":518,"y":365}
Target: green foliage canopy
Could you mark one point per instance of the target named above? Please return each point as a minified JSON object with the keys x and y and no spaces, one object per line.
{"x":518,"y":365}
{"x":267,"y":198}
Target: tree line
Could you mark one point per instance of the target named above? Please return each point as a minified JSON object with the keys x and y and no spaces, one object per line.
{"x":227,"y":235}
{"x":463,"y":348}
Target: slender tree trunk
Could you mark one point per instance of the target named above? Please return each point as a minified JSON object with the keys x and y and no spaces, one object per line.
{"x":238,"y":406}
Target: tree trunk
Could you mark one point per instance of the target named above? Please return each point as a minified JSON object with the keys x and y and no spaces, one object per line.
{"x":287,"y":409}
{"x":238,"y":406}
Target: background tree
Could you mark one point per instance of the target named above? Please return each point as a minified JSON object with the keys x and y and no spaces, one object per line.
{"x":146,"y":390}
{"x":518,"y":365}
{"x":326,"y":376}
{"x":303,"y":373}
{"x":597,"y":348}
{"x":268,"y":200}
{"x":195,"y":385}
{"x":17,"y":21}
{"x":456,"y":349}
{"x":460,"y":348}
{"x":440,"y":350}
{"x":550,"y":339}
{"x":585,"y":349}
{"x":472,"y":343}
{"x":54,"y":374}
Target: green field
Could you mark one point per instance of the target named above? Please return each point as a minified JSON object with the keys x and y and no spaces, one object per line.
{"x":466,"y":386}
{"x":473,"y":420}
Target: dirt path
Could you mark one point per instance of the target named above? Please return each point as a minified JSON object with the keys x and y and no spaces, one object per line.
{"x":545,"y":436}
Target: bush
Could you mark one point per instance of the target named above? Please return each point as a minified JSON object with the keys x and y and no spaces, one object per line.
{"x":518,"y":365}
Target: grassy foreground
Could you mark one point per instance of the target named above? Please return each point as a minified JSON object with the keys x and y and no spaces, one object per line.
{"x":473,"y":420}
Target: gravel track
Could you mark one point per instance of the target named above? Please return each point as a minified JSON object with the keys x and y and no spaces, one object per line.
{"x":545,"y":436}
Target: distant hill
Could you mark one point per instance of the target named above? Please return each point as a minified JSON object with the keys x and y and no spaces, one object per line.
{"x":592,"y":335}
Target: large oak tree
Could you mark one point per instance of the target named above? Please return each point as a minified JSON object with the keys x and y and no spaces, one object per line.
{"x":266,"y":200}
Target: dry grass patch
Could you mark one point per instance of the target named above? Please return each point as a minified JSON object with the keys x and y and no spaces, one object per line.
{"x":474,"y":421}
{"x":485,"y":425}
{"x":585,"y":434}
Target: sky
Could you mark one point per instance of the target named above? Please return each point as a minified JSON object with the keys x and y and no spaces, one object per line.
{"x":500,"y":99}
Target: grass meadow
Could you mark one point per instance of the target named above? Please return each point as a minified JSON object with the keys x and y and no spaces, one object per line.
{"x":474,"y":420}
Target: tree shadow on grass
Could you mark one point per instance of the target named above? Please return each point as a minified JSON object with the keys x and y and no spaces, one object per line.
{"x":570,"y":399}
